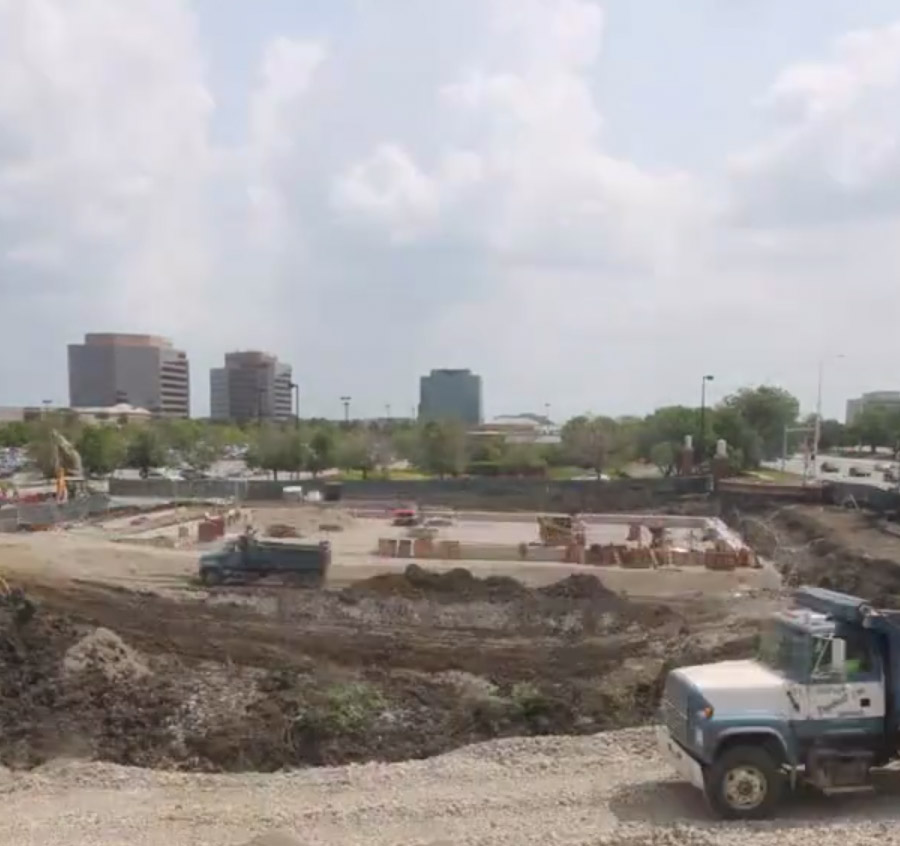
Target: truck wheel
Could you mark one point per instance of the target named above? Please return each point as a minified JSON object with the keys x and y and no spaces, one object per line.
{"x":211,"y":577}
{"x":745,"y":783}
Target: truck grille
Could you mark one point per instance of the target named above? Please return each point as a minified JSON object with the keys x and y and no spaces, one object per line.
{"x":675,"y":708}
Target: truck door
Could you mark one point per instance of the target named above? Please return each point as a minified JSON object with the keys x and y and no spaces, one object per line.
{"x":855,"y":701}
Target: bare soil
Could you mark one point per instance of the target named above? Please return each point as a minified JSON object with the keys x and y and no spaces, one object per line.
{"x":399,"y":666}
{"x":841,"y":549}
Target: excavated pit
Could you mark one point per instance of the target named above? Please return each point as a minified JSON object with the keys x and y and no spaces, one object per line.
{"x":400,"y":666}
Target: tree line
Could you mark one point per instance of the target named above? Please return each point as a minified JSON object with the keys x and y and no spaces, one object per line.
{"x":752,"y":422}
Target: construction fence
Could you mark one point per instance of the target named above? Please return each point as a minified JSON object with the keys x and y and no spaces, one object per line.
{"x":463,"y":493}
{"x":36,"y":515}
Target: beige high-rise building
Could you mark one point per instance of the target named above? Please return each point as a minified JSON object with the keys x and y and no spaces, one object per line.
{"x":142,"y":370}
{"x":251,"y":386}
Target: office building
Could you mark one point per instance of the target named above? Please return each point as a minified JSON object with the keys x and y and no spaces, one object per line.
{"x":451,"y":395}
{"x":145,"y":371}
{"x":886,"y":400}
{"x":251,"y":386}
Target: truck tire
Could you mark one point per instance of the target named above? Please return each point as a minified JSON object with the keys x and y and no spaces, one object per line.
{"x":745,"y":783}
{"x":211,"y":577}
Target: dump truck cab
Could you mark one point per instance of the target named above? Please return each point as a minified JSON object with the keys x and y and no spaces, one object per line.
{"x":818,"y":704}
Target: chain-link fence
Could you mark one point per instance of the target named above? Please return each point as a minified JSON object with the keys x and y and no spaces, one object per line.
{"x":181,"y":489}
{"x":50,"y":513}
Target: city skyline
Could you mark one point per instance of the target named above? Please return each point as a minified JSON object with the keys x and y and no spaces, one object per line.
{"x":524,"y":192}
{"x":333,"y":406}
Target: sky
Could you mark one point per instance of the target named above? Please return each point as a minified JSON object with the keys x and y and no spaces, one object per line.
{"x":591,"y":204}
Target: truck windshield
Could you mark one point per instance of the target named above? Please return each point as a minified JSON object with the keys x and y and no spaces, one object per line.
{"x":782,"y":648}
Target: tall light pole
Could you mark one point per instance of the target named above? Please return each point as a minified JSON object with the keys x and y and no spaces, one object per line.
{"x":701,"y":445}
{"x":346,"y":401}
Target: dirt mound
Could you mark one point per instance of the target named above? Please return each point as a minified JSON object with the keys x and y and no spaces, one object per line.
{"x":579,"y":586}
{"x":281,"y":530}
{"x":105,"y":652}
{"x":457,"y":585}
{"x":51,"y":706}
{"x":236,"y":688}
{"x":831,"y":548}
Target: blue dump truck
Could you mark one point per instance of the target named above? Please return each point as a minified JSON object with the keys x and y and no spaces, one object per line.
{"x":247,"y":559}
{"x":819,"y":706}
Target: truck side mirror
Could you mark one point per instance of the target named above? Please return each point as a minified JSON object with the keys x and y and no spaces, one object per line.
{"x":839,"y":656}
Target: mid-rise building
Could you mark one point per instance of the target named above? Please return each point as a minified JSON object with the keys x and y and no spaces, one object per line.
{"x":451,"y":395}
{"x":251,"y":386}
{"x":887,"y":400}
{"x":145,"y":371}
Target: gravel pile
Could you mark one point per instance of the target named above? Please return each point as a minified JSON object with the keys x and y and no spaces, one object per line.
{"x":606,"y":790}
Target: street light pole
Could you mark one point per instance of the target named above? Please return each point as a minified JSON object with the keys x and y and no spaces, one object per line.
{"x":701,"y":445}
{"x":346,"y":401}
{"x":817,"y":430}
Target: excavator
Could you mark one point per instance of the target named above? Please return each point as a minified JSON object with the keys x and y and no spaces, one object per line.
{"x":68,"y":466}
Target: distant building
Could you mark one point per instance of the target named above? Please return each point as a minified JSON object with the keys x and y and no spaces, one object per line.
{"x":451,"y":395}
{"x":120,"y":413}
{"x":521,"y":429}
{"x":887,"y":400}
{"x":143,"y":371}
{"x":251,"y":386}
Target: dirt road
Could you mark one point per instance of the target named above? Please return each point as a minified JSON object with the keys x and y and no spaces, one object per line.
{"x":606,"y":790}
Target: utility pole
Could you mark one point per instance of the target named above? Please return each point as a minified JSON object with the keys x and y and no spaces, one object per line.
{"x":701,"y":445}
{"x":346,"y":401}
{"x":387,"y":411}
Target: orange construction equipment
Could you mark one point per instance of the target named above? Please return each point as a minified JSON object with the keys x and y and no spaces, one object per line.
{"x":561,"y":530}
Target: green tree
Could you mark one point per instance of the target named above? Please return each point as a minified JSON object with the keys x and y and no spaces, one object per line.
{"x":358,"y":450}
{"x":15,"y":434}
{"x":874,"y":427}
{"x":42,"y":450}
{"x":766,"y":409}
{"x":523,"y":460}
{"x":598,"y":443}
{"x":744,"y":442}
{"x":277,"y":450}
{"x":442,"y":448}
{"x":665,"y":456}
{"x":669,"y":425}
{"x":144,"y":449}
{"x":323,"y":450}
{"x":102,"y":449}
{"x":833,"y":434}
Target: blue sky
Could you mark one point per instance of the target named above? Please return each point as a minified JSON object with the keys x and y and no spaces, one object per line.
{"x":588,"y":203}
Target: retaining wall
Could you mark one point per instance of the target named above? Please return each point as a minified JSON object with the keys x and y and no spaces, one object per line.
{"x":469,"y":493}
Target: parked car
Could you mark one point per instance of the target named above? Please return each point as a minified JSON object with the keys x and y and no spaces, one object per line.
{"x":829,"y":467}
{"x":858,"y":472}
{"x":890,"y":475}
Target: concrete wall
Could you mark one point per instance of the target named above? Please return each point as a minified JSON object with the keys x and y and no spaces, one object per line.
{"x":476,"y":494}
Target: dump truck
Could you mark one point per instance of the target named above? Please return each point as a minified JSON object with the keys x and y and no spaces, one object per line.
{"x":819,"y":706}
{"x":247,"y":559}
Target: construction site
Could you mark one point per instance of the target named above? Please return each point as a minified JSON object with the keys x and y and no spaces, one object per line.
{"x":464,"y":677}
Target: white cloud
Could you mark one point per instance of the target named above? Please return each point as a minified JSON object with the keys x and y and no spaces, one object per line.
{"x":103,"y":153}
{"x":835,"y":154}
{"x":423,"y":186}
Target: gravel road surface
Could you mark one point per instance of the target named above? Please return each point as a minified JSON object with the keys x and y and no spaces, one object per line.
{"x":606,"y":790}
